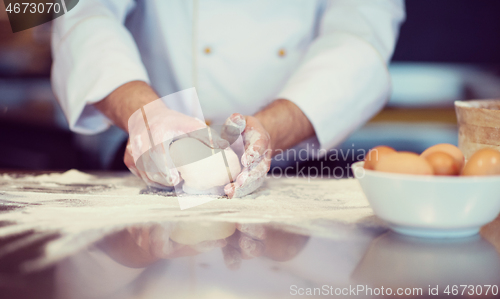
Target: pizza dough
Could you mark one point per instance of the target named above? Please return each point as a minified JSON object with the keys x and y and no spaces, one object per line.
{"x":191,"y":233}
{"x":202,"y":168}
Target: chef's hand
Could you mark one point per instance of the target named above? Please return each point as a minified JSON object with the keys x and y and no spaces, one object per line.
{"x":124,"y":107}
{"x":276,"y":128}
{"x":256,"y":159}
{"x":164,"y":125}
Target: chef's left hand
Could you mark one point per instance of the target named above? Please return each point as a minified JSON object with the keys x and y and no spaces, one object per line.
{"x":256,"y":159}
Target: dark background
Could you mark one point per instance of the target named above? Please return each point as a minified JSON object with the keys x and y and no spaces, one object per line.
{"x":450,"y":31}
{"x":34,"y":134}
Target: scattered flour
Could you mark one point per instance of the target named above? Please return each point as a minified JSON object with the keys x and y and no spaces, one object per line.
{"x":83,"y":216}
{"x":71,"y":176}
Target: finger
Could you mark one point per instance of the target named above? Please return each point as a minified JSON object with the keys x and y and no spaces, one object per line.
{"x":249,"y":188}
{"x":249,"y":180}
{"x":140,"y":236}
{"x":128,"y":160}
{"x":160,"y":180}
{"x":160,"y":244}
{"x":255,"y":231}
{"x":256,"y":143}
{"x":156,"y":169}
{"x":143,"y":176}
{"x":232,"y":191}
{"x":234,"y":239}
{"x":146,"y":169}
{"x":151,"y":183}
{"x":232,"y":257}
{"x":250,"y":248}
{"x":233,"y":127}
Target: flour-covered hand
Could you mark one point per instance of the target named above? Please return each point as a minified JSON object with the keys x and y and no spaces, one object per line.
{"x":147,"y":152}
{"x":256,"y":159}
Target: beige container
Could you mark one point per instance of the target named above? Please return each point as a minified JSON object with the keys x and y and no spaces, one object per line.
{"x":478,"y":125}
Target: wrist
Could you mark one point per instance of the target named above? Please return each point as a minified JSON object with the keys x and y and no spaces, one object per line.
{"x":121,"y":103}
{"x":272,"y":128}
{"x":286,"y":124}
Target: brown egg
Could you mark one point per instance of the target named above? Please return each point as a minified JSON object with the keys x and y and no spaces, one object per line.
{"x":450,"y":149}
{"x":410,"y":153}
{"x":408,"y":163}
{"x":485,"y":161}
{"x":376,"y":154}
{"x":443,"y":164}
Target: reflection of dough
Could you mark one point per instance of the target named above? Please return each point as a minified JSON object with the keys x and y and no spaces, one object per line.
{"x":202,"y":170}
{"x":191,"y":233}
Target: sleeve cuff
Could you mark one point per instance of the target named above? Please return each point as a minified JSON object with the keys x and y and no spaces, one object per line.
{"x":89,"y":65}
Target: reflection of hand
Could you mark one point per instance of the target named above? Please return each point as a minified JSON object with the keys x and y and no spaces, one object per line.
{"x":140,"y":246}
{"x":257,"y":157}
{"x":247,"y":242}
{"x":254,"y":240}
{"x":156,"y":240}
{"x":491,"y":232}
{"x":163,"y":125}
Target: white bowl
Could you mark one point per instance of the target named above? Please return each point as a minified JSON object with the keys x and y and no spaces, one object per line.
{"x":431,"y":206}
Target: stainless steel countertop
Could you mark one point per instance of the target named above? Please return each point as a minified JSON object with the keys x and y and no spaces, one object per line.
{"x":272,"y":260}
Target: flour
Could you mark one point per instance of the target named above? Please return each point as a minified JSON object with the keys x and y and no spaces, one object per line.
{"x":83,"y":218}
{"x":251,"y":154}
{"x":72,"y":176}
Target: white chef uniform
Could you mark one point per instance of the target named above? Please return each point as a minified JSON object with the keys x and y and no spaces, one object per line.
{"x":328,"y":57}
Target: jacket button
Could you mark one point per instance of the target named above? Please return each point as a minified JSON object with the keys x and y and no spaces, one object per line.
{"x":207,"y":50}
{"x":282,"y":53}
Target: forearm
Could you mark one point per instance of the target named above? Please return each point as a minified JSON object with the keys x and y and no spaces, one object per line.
{"x":120,"y":104}
{"x":286,"y":124}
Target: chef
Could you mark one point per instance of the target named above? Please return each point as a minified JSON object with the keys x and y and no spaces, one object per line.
{"x":284,"y":71}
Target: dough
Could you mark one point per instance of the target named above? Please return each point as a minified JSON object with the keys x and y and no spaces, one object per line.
{"x":191,"y":233}
{"x":203,"y":168}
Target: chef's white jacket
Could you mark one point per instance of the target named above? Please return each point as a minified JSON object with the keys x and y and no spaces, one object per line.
{"x":328,"y":57}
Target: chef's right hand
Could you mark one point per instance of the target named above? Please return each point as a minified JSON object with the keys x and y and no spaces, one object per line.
{"x":150,"y":162}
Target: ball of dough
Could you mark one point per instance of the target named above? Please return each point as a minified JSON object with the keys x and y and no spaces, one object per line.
{"x":191,"y":233}
{"x":202,"y":168}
